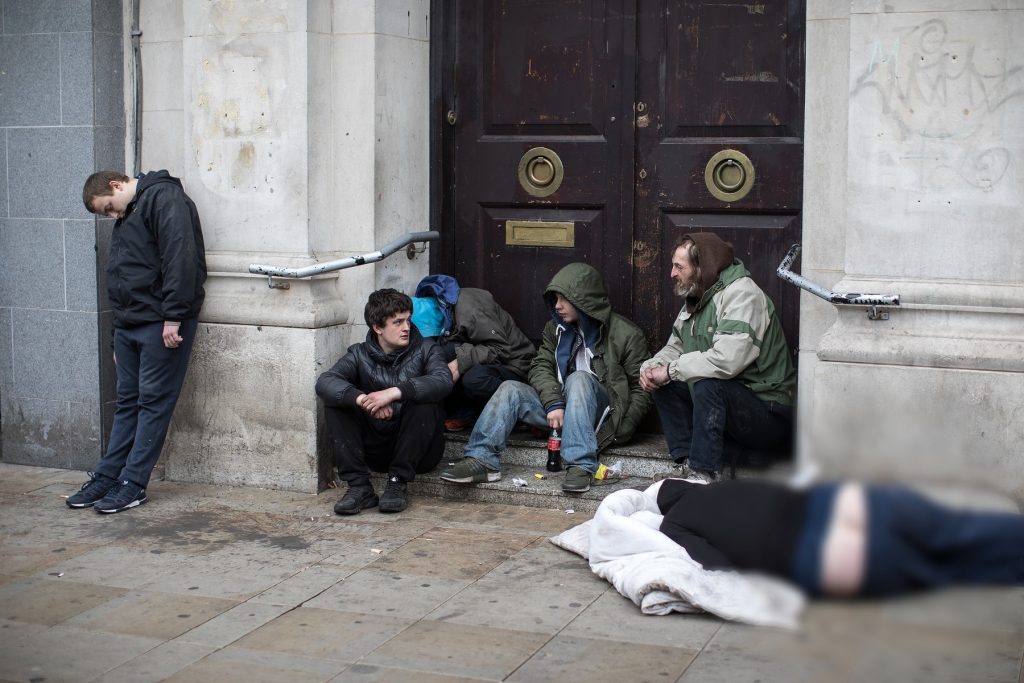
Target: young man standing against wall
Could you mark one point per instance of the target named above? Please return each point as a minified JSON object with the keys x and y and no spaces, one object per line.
{"x":155,"y":278}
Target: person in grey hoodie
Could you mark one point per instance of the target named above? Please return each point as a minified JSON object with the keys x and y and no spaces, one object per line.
{"x":155,"y":277}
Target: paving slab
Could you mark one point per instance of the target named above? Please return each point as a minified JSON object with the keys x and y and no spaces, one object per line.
{"x":323,"y":634}
{"x":378,"y":591}
{"x":971,"y":608}
{"x":302,"y":586}
{"x":373,"y":673}
{"x":459,"y":554}
{"x":51,"y":601}
{"x":163,"y":616}
{"x":921,"y":654}
{"x":229,"y":626}
{"x":158,"y":664}
{"x":236,"y":665}
{"x":25,"y":555}
{"x":571,"y":659}
{"x":458,"y":649}
{"x":614,"y":617}
{"x":64,"y":653}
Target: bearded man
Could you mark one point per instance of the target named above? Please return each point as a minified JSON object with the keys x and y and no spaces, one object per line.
{"x":726,"y":369}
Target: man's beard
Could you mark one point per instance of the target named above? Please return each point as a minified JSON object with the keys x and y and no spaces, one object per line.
{"x":686,"y":289}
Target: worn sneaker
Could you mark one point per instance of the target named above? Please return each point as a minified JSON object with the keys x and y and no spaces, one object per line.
{"x":355,"y":500}
{"x":91,"y":491}
{"x":677,"y":471}
{"x":577,"y":480}
{"x":124,"y":495}
{"x":469,"y":471}
{"x":394,"y":497}
{"x":706,"y":476}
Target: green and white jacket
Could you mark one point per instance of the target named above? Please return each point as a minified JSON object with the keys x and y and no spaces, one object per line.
{"x":733,"y":333}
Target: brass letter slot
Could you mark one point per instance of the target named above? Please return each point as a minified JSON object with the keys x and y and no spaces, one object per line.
{"x":540,"y":234}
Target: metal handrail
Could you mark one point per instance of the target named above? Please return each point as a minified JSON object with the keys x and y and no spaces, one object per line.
{"x":839,"y":298}
{"x":348,"y":262}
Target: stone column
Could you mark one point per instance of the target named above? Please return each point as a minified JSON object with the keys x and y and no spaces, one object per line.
{"x":934,"y":211}
{"x":61,"y":118}
{"x":305,"y":139}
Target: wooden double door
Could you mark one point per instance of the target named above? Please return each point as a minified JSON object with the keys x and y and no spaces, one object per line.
{"x":601,"y":131}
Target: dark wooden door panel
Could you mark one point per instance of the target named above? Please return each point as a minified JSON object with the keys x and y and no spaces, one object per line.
{"x":716,"y":76}
{"x":760,"y":241}
{"x":519,"y":274}
{"x":634,"y":96}
{"x":541,"y":74}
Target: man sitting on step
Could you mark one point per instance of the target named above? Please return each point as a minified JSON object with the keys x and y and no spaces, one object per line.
{"x":383,"y":405}
{"x":584,"y":382}
{"x":726,"y":369}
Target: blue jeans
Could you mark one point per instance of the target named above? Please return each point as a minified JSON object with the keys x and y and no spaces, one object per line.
{"x":914,"y":543}
{"x":149,"y":379}
{"x":695,"y":426}
{"x":585,"y":403}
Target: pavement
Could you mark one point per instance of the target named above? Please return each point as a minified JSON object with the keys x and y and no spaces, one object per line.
{"x":224,"y":584}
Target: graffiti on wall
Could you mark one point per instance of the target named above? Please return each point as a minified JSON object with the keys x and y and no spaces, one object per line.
{"x":950,"y":98}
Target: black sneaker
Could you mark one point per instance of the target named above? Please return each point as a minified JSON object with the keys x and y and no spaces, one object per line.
{"x":91,"y":491}
{"x":394,"y":497}
{"x":355,"y":500}
{"x":124,"y":495}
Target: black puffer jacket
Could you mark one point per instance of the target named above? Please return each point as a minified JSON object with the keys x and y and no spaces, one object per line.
{"x":419,"y":371}
{"x":157,"y":260}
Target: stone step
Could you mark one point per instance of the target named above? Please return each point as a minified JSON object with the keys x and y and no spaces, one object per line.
{"x":644,"y":456}
{"x":525,"y":457}
{"x":537,"y":493}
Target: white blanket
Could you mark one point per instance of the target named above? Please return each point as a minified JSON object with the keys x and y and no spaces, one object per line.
{"x":624,"y":546}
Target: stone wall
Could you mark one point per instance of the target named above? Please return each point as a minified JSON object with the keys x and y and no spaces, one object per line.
{"x":61,"y":118}
{"x":931,"y":208}
{"x":300,"y":130}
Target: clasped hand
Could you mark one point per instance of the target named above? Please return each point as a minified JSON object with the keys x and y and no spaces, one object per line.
{"x":652,"y":378}
{"x":378,"y":403}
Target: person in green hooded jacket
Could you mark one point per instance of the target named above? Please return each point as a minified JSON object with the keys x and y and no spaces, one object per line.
{"x":726,"y":368}
{"x":584,"y":382}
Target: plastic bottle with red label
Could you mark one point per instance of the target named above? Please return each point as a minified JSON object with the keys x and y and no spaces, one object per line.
{"x":554,"y":452}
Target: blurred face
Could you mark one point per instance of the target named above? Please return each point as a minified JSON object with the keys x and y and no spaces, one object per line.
{"x":565,"y":310}
{"x":684,"y":275}
{"x":394,"y":334}
{"x":114,"y":205}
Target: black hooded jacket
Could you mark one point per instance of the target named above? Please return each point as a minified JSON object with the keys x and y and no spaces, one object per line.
{"x":157,"y":260}
{"x":419,"y":371}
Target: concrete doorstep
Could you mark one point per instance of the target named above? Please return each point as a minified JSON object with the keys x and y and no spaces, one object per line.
{"x":525,"y":457}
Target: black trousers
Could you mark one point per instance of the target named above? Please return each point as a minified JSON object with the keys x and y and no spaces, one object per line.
{"x":475,"y":388}
{"x":415,"y":446}
{"x":695,"y":426}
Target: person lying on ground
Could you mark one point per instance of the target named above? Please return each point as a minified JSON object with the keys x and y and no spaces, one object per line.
{"x":841,"y":539}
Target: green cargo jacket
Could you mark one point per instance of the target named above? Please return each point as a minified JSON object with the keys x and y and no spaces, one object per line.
{"x":732,"y":333}
{"x":620,"y":350}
